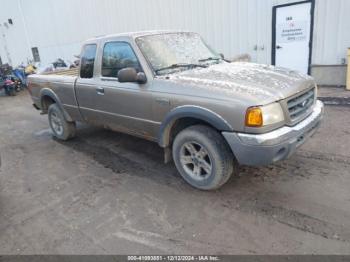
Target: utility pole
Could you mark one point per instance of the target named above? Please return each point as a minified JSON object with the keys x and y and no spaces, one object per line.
{"x":25,"y":29}
{"x":5,"y":45}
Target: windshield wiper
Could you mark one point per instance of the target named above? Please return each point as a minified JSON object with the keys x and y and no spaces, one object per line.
{"x":209,"y":59}
{"x":173,"y":66}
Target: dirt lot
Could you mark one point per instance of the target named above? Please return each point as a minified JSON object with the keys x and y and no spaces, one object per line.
{"x":108,"y":193}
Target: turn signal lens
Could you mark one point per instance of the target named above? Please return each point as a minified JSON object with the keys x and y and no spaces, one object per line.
{"x":254,"y":117}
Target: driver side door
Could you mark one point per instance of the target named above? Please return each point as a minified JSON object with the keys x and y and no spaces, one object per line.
{"x":125,"y":107}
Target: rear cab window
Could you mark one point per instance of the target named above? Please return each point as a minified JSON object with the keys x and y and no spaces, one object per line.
{"x":116,"y":56}
{"x":88,"y":56}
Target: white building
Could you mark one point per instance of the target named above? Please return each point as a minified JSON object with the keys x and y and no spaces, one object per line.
{"x":308,"y":36}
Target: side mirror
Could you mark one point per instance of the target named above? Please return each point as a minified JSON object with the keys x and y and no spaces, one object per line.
{"x":129,"y":74}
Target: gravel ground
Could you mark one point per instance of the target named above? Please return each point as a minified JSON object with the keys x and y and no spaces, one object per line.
{"x":109,"y":193}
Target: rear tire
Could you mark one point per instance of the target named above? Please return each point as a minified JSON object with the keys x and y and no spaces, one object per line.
{"x":202,"y":157}
{"x":61,"y":128}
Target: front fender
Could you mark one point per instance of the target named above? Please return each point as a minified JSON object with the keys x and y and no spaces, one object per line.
{"x":189,"y":111}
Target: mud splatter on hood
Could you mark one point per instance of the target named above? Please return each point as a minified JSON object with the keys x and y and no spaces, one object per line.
{"x":262,"y":83}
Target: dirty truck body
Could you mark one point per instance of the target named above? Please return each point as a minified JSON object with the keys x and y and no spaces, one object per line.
{"x":171,"y":88}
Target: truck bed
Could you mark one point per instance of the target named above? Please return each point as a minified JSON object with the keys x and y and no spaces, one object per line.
{"x":61,"y":82}
{"x":67,"y":72}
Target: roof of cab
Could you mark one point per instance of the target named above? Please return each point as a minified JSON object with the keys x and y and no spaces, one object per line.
{"x":135,"y":34}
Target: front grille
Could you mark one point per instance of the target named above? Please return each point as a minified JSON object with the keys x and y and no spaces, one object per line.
{"x":299,"y":105}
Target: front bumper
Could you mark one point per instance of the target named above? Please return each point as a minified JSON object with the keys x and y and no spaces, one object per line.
{"x":267,"y":148}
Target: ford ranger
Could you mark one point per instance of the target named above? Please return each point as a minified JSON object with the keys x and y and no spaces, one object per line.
{"x":209,"y":115}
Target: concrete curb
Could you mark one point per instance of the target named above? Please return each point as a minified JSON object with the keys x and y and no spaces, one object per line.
{"x":336,"y":96}
{"x":335,"y":101}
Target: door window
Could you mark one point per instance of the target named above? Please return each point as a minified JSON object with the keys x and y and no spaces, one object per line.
{"x":116,"y":56}
{"x":87,"y":61}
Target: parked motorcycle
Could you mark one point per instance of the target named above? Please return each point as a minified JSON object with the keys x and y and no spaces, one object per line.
{"x":9,"y":86}
{"x":12,"y":80}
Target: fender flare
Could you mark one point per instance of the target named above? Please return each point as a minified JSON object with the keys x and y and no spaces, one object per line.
{"x":190,"y":111}
{"x":48,"y":92}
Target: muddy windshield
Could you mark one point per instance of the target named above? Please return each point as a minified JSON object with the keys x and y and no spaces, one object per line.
{"x":173,"y":52}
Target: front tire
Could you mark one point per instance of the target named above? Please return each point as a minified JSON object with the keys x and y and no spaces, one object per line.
{"x":202,"y":157}
{"x":61,"y":128}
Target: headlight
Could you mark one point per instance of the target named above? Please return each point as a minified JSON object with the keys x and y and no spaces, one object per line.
{"x":264,"y":115}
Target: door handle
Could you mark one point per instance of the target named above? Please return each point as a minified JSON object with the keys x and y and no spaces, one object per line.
{"x":278,"y":47}
{"x":100,"y":90}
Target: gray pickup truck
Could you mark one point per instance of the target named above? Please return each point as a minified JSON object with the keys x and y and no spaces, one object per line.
{"x":172,"y":88}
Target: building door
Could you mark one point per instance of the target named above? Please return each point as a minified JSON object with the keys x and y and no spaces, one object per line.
{"x":292,"y":36}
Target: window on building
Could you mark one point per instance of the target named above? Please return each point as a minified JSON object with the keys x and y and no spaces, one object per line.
{"x":87,"y":61}
{"x":116,"y":56}
{"x":36,"y":56}
{"x":0,"y":61}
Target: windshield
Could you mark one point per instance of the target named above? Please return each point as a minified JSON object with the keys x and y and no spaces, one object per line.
{"x":172,"y":51}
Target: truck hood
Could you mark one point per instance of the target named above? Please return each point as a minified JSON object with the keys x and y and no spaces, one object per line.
{"x":256,"y":83}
